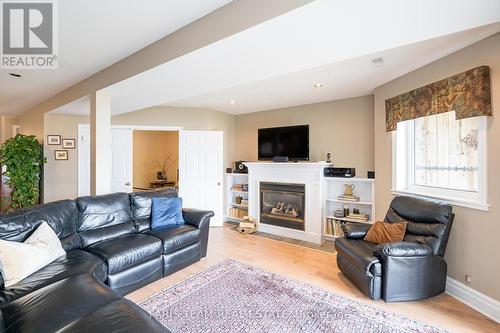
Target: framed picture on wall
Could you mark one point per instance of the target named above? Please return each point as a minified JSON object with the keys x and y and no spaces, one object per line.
{"x":68,"y":143}
{"x":53,"y":140}
{"x":60,"y":155}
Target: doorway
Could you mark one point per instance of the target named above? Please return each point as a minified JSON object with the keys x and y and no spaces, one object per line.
{"x":155,"y":159}
{"x":196,"y":167}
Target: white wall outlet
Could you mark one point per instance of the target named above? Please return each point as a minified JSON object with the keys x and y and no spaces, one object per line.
{"x":468,"y":278}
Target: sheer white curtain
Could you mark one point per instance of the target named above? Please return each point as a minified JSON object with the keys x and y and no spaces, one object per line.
{"x":446,"y":152}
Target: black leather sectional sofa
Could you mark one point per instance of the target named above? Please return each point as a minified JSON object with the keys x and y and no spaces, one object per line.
{"x":110,"y":251}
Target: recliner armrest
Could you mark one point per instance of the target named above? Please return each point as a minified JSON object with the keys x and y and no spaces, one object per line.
{"x":196,"y":217}
{"x":403,"y":249}
{"x":355,"y":231}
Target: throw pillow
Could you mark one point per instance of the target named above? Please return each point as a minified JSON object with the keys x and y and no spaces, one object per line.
{"x":166,"y":211}
{"x":382,"y":232}
{"x":19,"y":260}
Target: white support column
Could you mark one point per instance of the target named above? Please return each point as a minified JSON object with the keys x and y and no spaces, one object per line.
{"x":100,"y":142}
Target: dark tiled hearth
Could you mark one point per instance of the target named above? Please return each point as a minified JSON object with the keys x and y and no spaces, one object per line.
{"x":327,"y":246}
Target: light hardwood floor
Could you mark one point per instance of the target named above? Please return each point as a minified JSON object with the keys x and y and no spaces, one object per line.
{"x":320,"y":269}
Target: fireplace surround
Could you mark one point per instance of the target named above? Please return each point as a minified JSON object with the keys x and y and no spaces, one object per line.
{"x":306,"y":177}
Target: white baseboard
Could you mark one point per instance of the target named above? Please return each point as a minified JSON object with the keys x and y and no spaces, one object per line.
{"x":473,"y":298}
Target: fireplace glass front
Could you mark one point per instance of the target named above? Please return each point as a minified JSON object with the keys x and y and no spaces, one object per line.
{"x":282,"y":205}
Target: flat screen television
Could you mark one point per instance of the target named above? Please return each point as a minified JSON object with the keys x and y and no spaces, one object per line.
{"x":290,"y":141}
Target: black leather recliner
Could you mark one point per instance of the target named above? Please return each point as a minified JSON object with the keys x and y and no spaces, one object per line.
{"x":111,"y":250}
{"x":401,"y":271}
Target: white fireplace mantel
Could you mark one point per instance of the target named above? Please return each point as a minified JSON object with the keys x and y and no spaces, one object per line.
{"x":307,"y":173}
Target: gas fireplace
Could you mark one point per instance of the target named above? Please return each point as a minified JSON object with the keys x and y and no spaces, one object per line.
{"x":282,"y":205}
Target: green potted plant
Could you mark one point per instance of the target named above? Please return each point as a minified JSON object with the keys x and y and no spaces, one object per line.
{"x":22,"y":159}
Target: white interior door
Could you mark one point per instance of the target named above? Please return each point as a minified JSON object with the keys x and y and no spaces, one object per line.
{"x":201,"y":171}
{"x":121,"y":160}
{"x":83,"y":147}
{"x":121,"y":163}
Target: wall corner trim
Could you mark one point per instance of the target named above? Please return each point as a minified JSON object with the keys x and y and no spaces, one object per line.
{"x":473,"y":298}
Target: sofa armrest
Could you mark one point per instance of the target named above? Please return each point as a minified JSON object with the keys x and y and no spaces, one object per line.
{"x":196,"y":217}
{"x":355,"y":231}
{"x":403,"y":249}
{"x":200,"y":219}
{"x":410,"y":271}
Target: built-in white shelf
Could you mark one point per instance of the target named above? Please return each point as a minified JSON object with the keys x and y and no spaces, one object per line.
{"x":330,"y":237}
{"x":346,"y":219}
{"x":350,"y":202}
{"x":232,"y":219}
{"x":348,"y":180}
{"x":231,"y":180}
{"x":364,"y":188}
{"x":332,"y":188}
{"x":238,"y":205}
{"x":237,"y":191}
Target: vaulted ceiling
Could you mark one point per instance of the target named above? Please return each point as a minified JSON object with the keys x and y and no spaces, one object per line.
{"x":270,"y":65}
{"x":92,"y":35}
{"x":277,"y":63}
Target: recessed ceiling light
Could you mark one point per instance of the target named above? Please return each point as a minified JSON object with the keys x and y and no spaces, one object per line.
{"x":378,"y":62}
{"x":232,"y":101}
{"x":318,"y":85}
{"x":15,"y":75}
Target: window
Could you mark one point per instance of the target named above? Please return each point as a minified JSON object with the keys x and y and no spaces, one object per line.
{"x":441,"y":157}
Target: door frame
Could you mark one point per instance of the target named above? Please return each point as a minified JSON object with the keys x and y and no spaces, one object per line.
{"x":130,"y":127}
{"x":79,"y":157}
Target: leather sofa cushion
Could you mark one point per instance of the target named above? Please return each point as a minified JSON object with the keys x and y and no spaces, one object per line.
{"x":18,"y":225}
{"x":127,"y":251}
{"x":60,"y":215}
{"x":118,"y":316}
{"x":141,"y":205}
{"x":75,"y":262}
{"x":420,"y":210}
{"x":104,"y":217}
{"x":402,"y":249}
{"x":55,"y":306}
{"x":360,"y":254}
{"x":175,"y":237}
{"x":429,"y":222}
{"x":136,"y":277}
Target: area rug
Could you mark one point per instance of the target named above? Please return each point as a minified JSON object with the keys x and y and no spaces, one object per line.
{"x":234,"y":297}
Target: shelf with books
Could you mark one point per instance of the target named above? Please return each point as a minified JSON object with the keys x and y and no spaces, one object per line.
{"x":350,"y":202}
{"x":335,"y":189}
{"x":237,"y":196}
{"x":238,"y":205}
{"x":237,"y":191}
{"x":347,"y":219}
{"x":333,"y":228}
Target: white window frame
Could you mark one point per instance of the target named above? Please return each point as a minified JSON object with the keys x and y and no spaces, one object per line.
{"x":403,"y":179}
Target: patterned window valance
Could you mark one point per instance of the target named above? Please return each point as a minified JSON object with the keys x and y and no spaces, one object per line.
{"x":467,"y":93}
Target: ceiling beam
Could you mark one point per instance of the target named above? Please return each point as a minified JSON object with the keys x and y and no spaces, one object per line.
{"x":235,"y":17}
